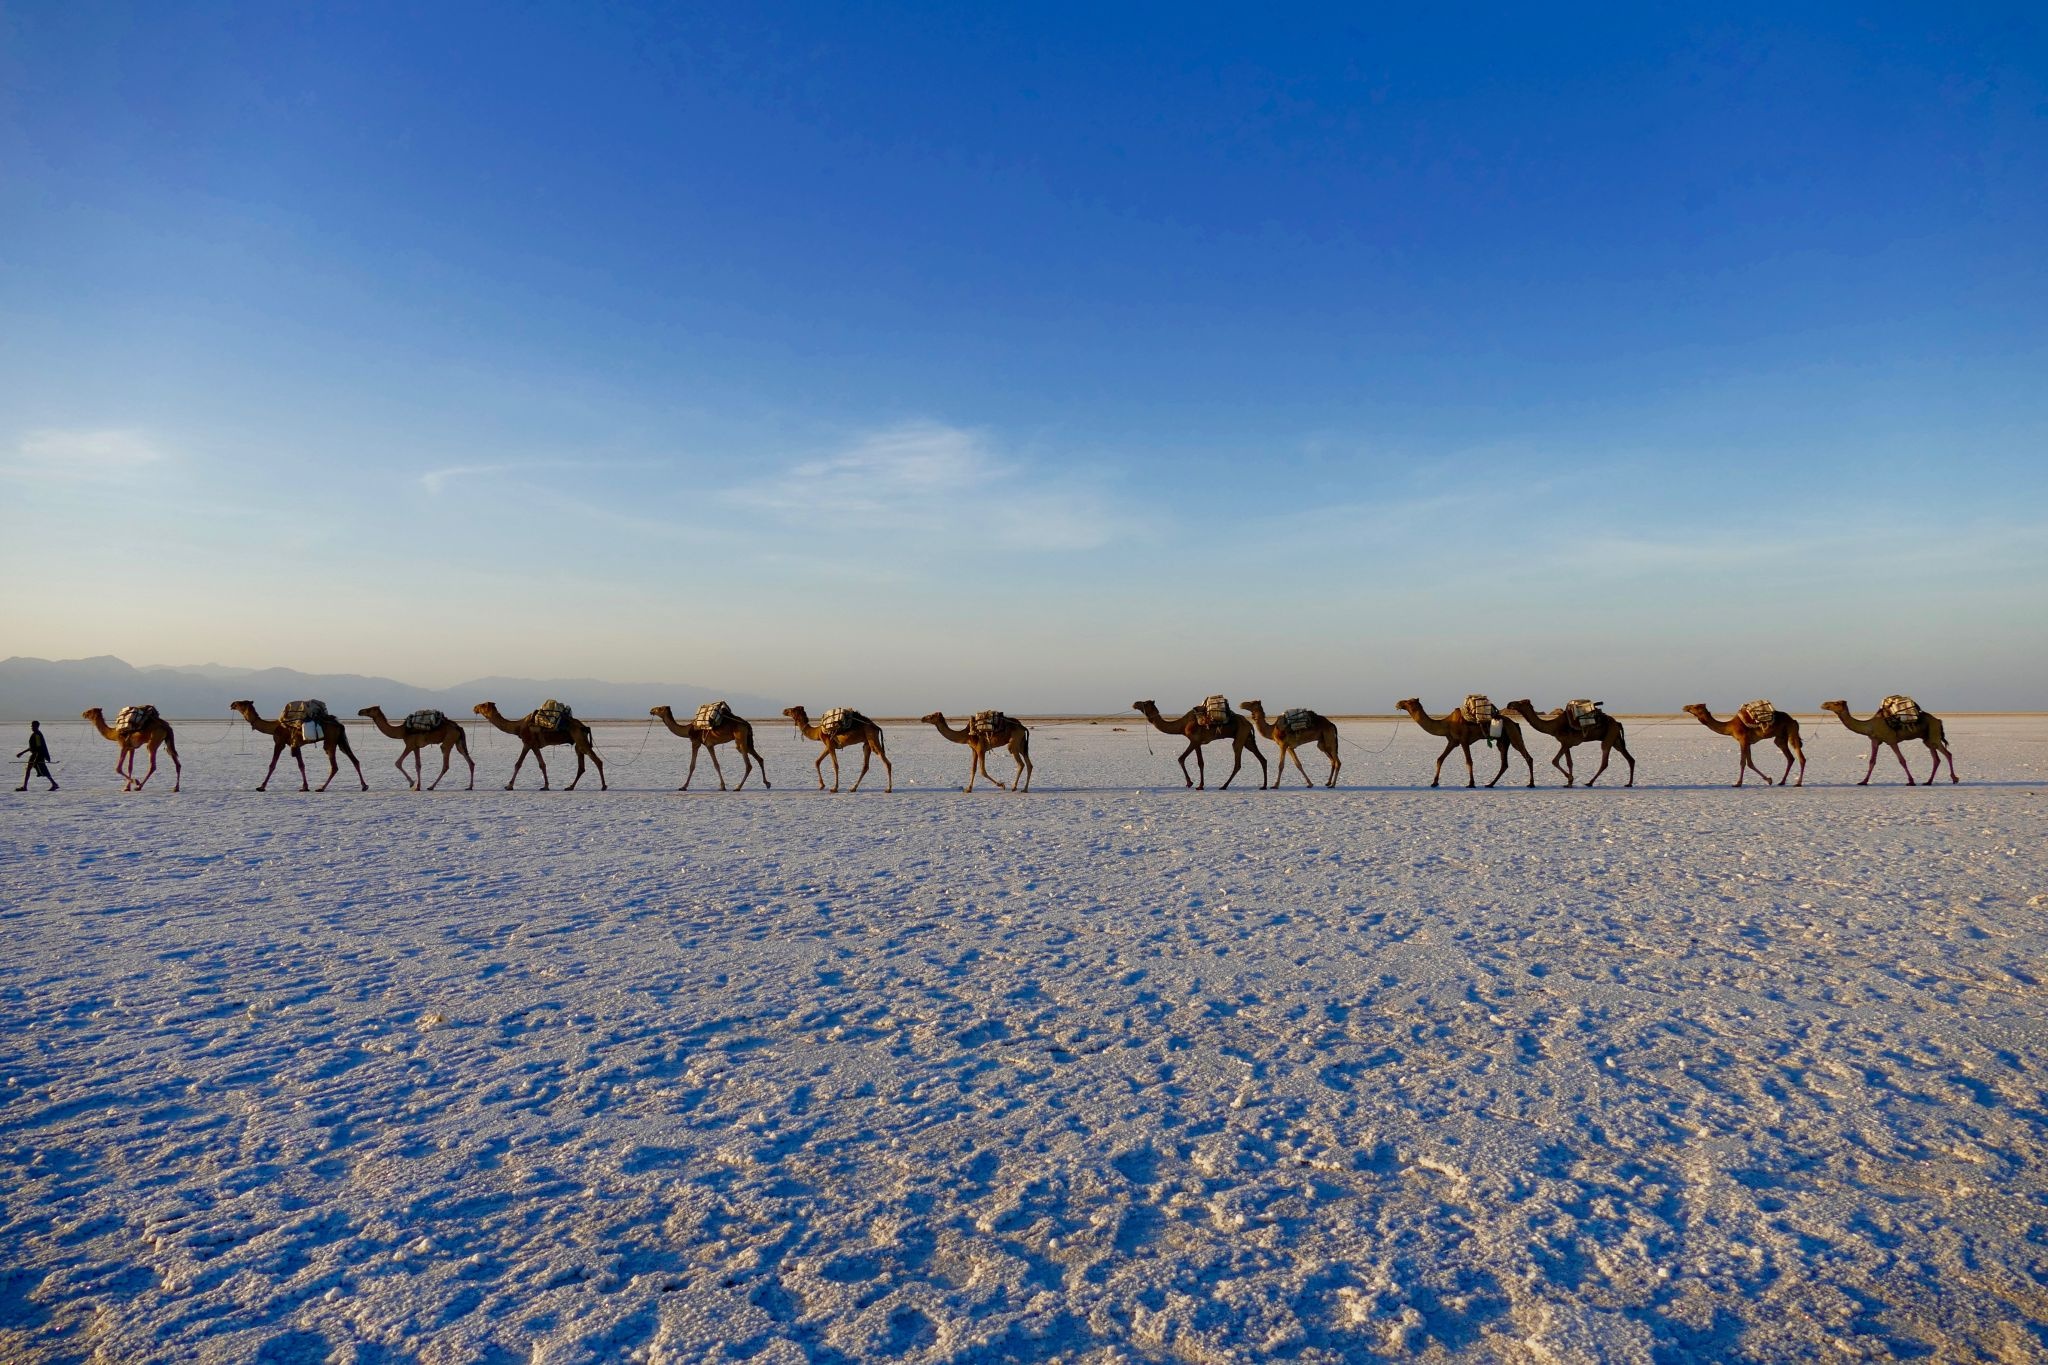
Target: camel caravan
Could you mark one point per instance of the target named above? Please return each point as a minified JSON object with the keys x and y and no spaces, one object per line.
{"x":1475,"y":720}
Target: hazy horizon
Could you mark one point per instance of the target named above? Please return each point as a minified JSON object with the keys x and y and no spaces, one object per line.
{"x":1042,"y":360}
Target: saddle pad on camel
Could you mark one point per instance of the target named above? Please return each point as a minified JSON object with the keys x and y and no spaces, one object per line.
{"x":1758,"y":714}
{"x":1899,"y":711}
{"x":1298,"y":718}
{"x":1584,"y":714}
{"x":1215,"y":709}
{"x":299,"y":712}
{"x":134,"y":718}
{"x":711,"y":715}
{"x":425,"y":719}
{"x":1477,"y":708}
{"x":551,"y":715}
{"x":841,"y":719}
{"x":987,"y":723}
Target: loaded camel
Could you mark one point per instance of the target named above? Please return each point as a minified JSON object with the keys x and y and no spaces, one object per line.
{"x":534,"y":736}
{"x":1199,"y":727}
{"x":449,"y":734}
{"x":152,"y":732}
{"x":1461,"y":732}
{"x":1884,"y":729}
{"x":1783,"y":731}
{"x":1317,"y":727}
{"x":858,"y":729}
{"x":1568,"y":733}
{"x":733,"y":730}
{"x":291,"y":734}
{"x":998,"y":732}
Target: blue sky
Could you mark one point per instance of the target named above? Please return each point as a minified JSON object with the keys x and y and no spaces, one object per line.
{"x":1044,"y":359}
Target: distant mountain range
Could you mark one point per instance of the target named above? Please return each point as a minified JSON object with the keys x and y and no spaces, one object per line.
{"x":46,"y":689}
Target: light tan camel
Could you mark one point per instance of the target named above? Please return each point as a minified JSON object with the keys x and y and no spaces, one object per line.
{"x":862,"y":731}
{"x":292,"y":735}
{"x":1883,"y":730}
{"x":1458,"y":732}
{"x":736,"y":732}
{"x":1319,"y":728}
{"x":534,"y":737}
{"x":1783,"y":731}
{"x":149,"y":736}
{"x":1198,"y":729}
{"x":1567,"y":732}
{"x":449,"y":734}
{"x":1007,"y":733}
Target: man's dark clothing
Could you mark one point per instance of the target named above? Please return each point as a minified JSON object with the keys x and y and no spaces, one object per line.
{"x":38,"y":752}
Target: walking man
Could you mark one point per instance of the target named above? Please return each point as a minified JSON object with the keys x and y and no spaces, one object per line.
{"x":38,"y":752}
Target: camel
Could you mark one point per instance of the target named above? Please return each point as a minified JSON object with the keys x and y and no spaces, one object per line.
{"x":291,"y":735}
{"x":1883,"y":730}
{"x":449,"y":734}
{"x":1005,"y":733}
{"x":534,"y":737}
{"x":157,"y":731}
{"x":735,"y":731}
{"x":861,"y":731}
{"x":1319,"y":728}
{"x":1460,"y":733}
{"x":1561,"y":727}
{"x":1783,"y":732}
{"x":1197,"y":729}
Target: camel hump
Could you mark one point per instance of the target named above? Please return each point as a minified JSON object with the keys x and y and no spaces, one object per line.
{"x":841,"y":719}
{"x":1584,"y":711}
{"x":1297,"y":718}
{"x":1899,"y":711}
{"x":134,"y":718}
{"x":987,"y":723}
{"x":1758,"y":714}
{"x":425,"y":719}
{"x":551,"y":715}
{"x":1478,"y":709}
{"x":1216,"y":709}
{"x":711,"y":715}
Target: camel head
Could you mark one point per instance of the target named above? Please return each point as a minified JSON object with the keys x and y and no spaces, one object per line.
{"x":1840,"y":708}
{"x":1696,"y":709}
{"x":797,"y":714}
{"x":1523,"y":705}
{"x":1145,"y":707}
{"x":935,"y":718}
{"x":371,"y":711}
{"x":244,"y":707}
{"x":1255,"y":706}
{"x":662,"y":711}
{"x":1412,"y":705}
{"x":485,"y":708}
{"x":96,"y":714}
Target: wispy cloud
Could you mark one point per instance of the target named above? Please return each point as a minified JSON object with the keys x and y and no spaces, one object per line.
{"x":81,"y":456}
{"x":945,"y":486}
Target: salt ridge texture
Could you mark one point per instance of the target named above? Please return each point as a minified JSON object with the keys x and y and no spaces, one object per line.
{"x":1109,"y":1072}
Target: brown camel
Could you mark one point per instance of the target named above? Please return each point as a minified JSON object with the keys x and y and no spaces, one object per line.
{"x":1461,"y":732}
{"x":1200,"y":726}
{"x":1783,"y":731}
{"x":156,"y":730}
{"x":287,"y":734}
{"x":854,"y":729}
{"x":1289,"y":739}
{"x":535,"y":735}
{"x":1560,"y":726}
{"x":1883,"y":729}
{"x":734,"y":730}
{"x":997,"y":732}
{"x":449,"y":734}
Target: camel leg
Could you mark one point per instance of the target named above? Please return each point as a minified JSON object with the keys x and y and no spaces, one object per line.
{"x":577,"y":747}
{"x":1904,"y":767}
{"x":333,"y":763}
{"x":691,"y":771}
{"x":1527,"y":761}
{"x":1449,"y":745}
{"x":462,"y":743}
{"x":1186,"y":781}
{"x":867,"y":759}
{"x":887,"y":767}
{"x":399,"y":763}
{"x":1564,"y":752}
{"x":1748,"y":765}
{"x":124,"y":768}
{"x":276,"y":752}
{"x":177,"y":768}
{"x":1020,"y":749}
{"x":152,"y":769}
{"x":716,"y":767}
{"x":1295,"y":750}
{"x":1606,"y":752}
{"x":1871,"y":767}
{"x":1622,"y":745}
{"x":1336,"y":761}
{"x":540,"y":760}
{"x":420,"y":760}
{"x":299,"y":757}
{"x":584,"y":748}
{"x":820,"y":766}
{"x":343,"y":745}
{"x":751,"y":758}
{"x":1938,"y":753}
{"x":1787,"y":747}
{"x":1237,"y":762}
{"x":517,"y":764}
